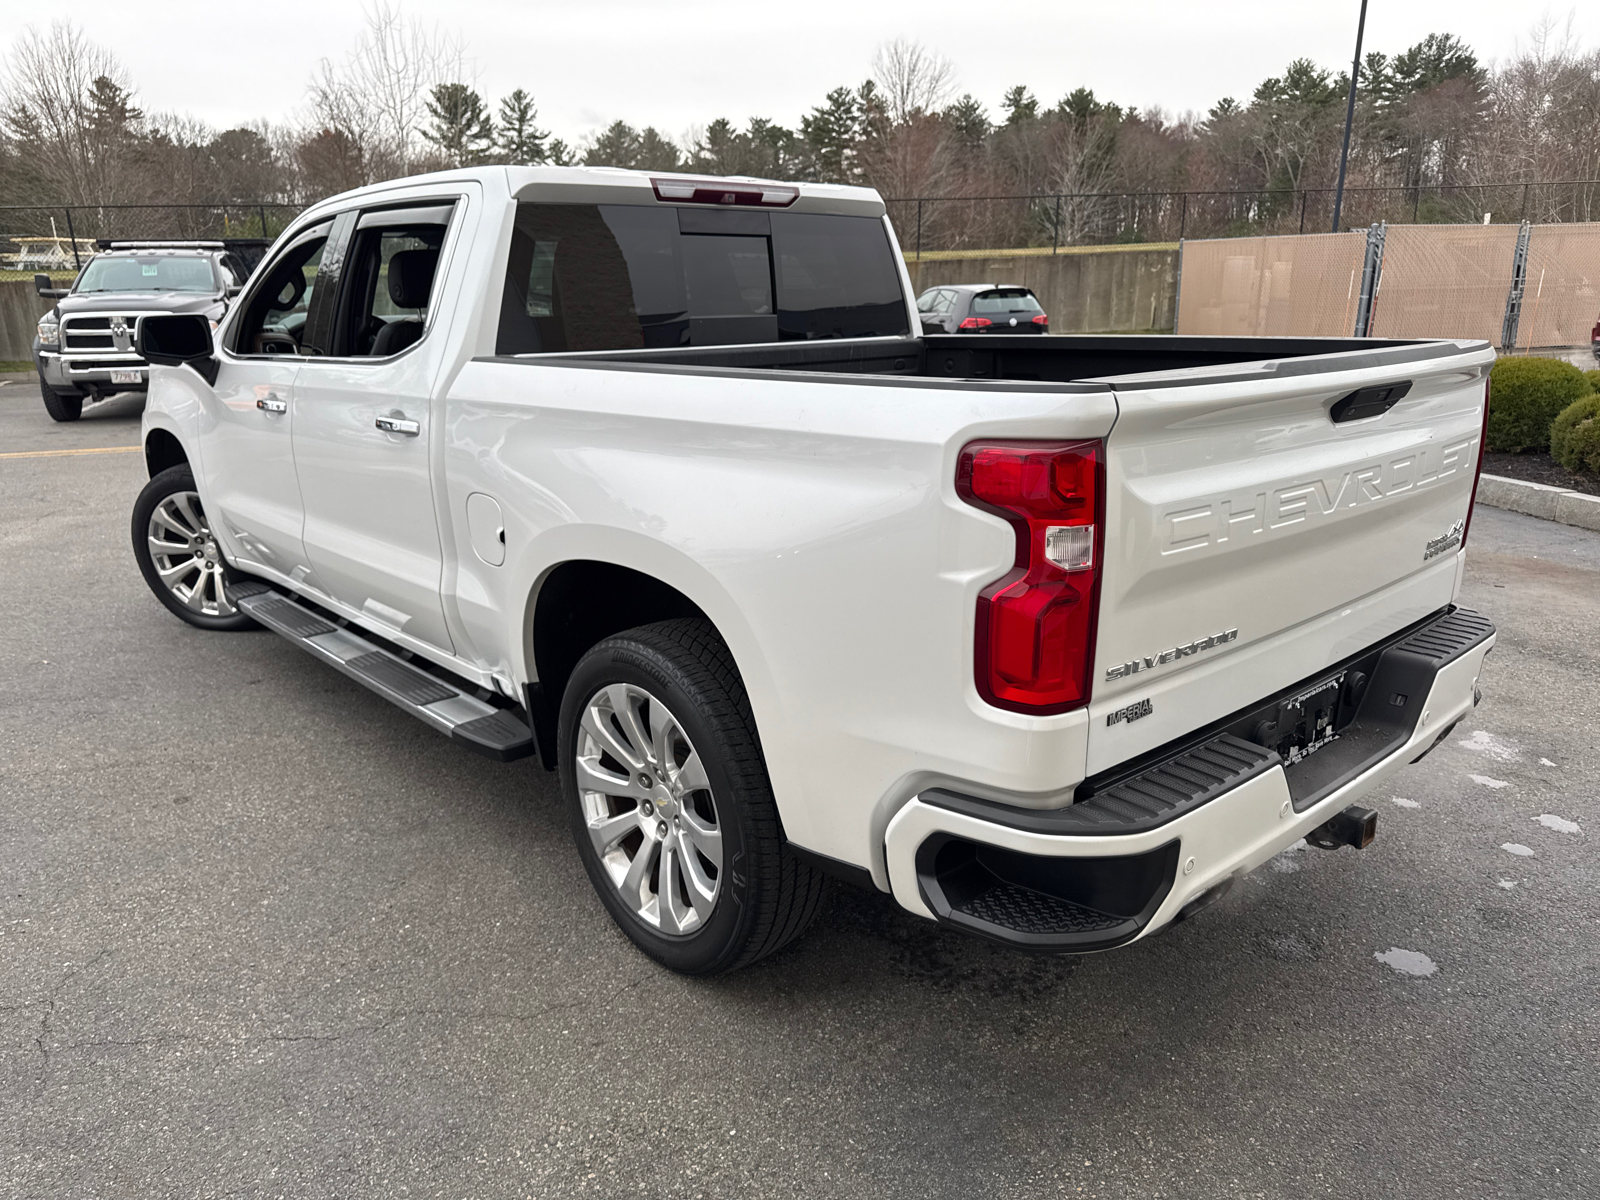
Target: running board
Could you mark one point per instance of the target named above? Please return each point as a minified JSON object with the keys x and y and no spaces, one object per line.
{"x":494,"y":732}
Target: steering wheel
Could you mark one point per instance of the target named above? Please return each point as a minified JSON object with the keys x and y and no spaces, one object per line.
{"x":272,"y":342}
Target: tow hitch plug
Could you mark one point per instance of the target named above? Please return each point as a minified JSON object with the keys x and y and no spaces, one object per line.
{"x":1353,"y":827}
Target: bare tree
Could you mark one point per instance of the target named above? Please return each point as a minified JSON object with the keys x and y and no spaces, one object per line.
{"x":1081,"y":169}
{"x":1543,"y":124}
{"x":911,"y":79}
{"x":67,"y":106}
{"x":377,"y":97}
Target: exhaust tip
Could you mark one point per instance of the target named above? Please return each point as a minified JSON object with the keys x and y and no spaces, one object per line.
{"x":1355,"y":826}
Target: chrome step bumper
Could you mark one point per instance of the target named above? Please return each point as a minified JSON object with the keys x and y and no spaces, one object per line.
{"x":498,"y":733}
{"x":1135,"y":852}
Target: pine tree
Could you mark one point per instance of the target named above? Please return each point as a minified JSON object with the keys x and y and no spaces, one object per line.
{"x":831,"y":130}
{"x":968,"y":121}
{"x":459,"y":124}
{"x":111,"y":110}
{"x":657,"y":152}
{"x":1020,"y":105}
{"x":520,"y":142}
{"x":618,"y":146}
{"x":718,"y":150}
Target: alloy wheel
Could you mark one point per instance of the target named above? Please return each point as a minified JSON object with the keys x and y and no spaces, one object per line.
{"x":186,"y":555}
{"x":649,"y":809}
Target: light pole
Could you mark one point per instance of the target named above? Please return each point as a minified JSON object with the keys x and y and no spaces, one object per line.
{"x":1349,"y":117}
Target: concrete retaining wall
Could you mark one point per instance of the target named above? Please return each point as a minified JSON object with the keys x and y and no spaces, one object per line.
{"x":20,"y":310}
{"x":1085,"y":289}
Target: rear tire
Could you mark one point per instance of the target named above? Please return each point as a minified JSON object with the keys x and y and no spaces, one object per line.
{"x":61,"y":407}
{"x":670,"y":803}
{"x":178,"y":554}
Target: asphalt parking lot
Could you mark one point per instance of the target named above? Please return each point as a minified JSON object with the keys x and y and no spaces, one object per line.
{"x":263,"y":935}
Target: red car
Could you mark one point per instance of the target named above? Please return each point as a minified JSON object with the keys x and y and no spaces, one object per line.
{"x":1594,"y":340}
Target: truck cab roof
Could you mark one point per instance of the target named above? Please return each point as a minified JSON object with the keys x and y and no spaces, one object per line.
{"x":615,"y":185}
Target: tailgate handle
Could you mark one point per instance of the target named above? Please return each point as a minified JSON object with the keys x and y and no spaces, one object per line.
{"x":1368,"y":402}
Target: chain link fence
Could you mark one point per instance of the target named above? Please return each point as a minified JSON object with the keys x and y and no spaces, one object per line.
{"x":956,"y":223}
{"x":1444,"y":281}
{"x":1268,"y":286}
{"x":58,"y":239}
{"x":1514,"y":286}
{"x":1561,"y":288}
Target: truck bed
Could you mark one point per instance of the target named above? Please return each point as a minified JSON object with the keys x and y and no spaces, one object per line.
{"x":1032,"y":359}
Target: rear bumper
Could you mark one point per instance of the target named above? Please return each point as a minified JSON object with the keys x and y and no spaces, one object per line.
{"x":1128,"y":860}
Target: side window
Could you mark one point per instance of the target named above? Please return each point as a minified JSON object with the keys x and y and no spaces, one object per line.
{"x":390,"y":274}
{"x":274,"y":320}
{"x":568,"y":285}
{"x":927,"y":301}
{"x":947,"y":301}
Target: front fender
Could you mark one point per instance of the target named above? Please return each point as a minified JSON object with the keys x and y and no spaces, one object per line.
{"x":174,"y":406}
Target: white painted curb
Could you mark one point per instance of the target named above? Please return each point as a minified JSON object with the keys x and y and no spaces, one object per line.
{"x":1540,"y":500}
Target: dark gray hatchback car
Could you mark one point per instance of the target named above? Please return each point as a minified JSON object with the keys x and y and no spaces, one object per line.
{"x":981,"y":308}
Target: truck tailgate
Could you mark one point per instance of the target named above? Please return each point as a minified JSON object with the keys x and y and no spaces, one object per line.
{"x":1252,"y":540}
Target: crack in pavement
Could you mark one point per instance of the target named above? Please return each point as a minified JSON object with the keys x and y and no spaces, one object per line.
{"x":50,"y":1008}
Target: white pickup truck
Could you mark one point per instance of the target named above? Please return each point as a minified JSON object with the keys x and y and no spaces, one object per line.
{"x":654,"y":477}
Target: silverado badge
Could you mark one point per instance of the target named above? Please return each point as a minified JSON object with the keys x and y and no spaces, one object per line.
{"x":1123,"y":670}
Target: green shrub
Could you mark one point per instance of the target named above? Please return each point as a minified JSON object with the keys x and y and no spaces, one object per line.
{"x":1525,"y":395}
{"x":1575,"y":435}
{"x":1594,"y":379}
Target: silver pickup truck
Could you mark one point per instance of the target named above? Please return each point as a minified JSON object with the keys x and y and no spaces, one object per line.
{"x":84,"y":349}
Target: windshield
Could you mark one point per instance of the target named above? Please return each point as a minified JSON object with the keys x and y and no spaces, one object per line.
{"x":147,"y":273}
{"x":1015,"y":300}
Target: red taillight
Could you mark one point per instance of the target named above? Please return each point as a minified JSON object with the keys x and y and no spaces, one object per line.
{"x":1036,"y":624}
{"x":725,"y":191}
{"x":1041,"y":319}
{"x":1483,"y":438}
{"x":975,"y":323}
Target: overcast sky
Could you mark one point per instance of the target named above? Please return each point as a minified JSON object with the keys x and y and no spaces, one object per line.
{"x":680,"y":63}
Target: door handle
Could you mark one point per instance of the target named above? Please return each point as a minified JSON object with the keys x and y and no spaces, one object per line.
{"x":398,"y":425}
{"x":272,"y":404}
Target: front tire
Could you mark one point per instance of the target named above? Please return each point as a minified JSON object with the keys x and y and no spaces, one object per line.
{"x":178,"y":554}
{"x":60,"y":407}
{"x":670,"y":803}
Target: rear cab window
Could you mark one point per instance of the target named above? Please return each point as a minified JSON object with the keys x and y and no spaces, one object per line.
{"x":1005,"y":300}
{"x":631,"y":277}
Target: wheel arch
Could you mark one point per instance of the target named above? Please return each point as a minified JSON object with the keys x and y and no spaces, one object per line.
{"x":162,"y":451}
{"x":581,"y":598}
